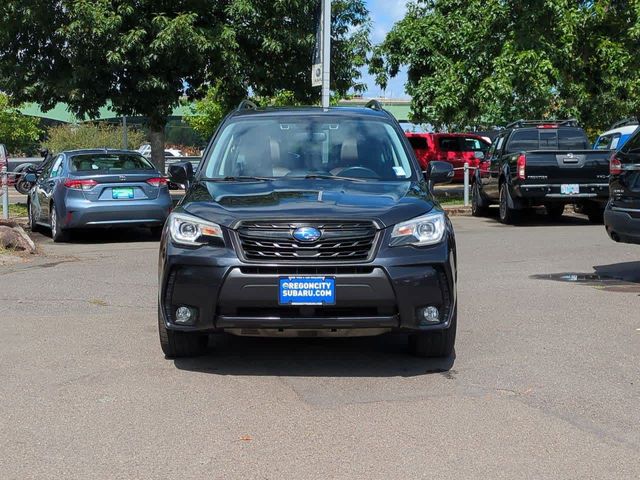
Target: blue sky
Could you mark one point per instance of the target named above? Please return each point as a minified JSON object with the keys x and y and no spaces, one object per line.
{"x":384,"y":13}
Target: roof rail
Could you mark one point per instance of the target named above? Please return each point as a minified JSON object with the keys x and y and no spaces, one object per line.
{"x":625,"y":122}
{"x":374,"y":105}
{"x":571,"y":122}
{"x":246,"y":105}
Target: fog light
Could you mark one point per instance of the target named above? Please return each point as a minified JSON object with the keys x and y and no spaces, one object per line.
{"x":428,"y":315}
{"x":184,"y":315}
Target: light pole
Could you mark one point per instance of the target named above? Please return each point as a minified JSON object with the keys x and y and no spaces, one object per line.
{"x":326,"y":52}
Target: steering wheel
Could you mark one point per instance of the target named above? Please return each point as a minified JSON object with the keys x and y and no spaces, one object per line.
{"x":358,"y":172}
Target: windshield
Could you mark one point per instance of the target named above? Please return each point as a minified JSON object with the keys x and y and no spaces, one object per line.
{"x":309,"y":146}
{"x":109,"y":162}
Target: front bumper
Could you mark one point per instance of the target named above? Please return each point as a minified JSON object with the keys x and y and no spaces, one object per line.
{"x":622,"y":224}
{"x":232,"y":295}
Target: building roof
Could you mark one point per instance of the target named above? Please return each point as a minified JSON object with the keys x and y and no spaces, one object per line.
{"x":399,"y":108}
{"x":61,"y":113}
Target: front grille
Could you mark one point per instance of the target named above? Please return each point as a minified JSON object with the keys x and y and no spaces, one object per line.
{"x":340,"y":241}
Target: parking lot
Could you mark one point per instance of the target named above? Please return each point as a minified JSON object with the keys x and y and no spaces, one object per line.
{"x":544,"y":383}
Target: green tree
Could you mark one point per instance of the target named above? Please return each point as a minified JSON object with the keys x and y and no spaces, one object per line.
{"x":145,"y":55}
{"x":481,"y":63}
{"x":18,"y":132}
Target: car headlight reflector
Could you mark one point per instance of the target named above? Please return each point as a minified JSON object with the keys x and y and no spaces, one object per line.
{"x":189,"y":230}
{"x":420,"y":231}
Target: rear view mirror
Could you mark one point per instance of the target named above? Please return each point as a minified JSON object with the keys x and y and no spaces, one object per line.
{"x":181,"y":173}
{"x":439,"y":172}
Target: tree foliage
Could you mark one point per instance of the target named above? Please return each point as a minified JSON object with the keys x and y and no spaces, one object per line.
{"x":145,"y":55}
{"x":485,"y":62}
{"x":18,"y":132}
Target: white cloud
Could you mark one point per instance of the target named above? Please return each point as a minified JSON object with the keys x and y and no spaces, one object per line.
{"x":384,"y":13}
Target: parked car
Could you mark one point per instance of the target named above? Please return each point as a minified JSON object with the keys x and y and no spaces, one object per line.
{"x":454,"y":148}
{"x":98,"y":188}
{"x":622,"y":215}
{"x":308,"y":222}
{"x":145,"y":150}
{"x":534,"y":163}
{"x":617,"y":136}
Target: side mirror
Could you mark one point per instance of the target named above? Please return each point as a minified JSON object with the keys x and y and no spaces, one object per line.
{"x":31,"y":177}
{"x":479,"y":155}
{"x":439,"y":172}
{"x":181,"y":173}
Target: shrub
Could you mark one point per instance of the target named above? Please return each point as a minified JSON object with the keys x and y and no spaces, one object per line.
{"x":90,"y":135}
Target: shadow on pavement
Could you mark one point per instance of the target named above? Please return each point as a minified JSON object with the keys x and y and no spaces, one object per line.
{"x":383,"y":356}
{"x":100,"y":235}
{"x":538,"y":218}
{"x":617,"y":277}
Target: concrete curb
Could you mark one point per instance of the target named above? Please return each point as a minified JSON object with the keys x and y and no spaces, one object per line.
{"x":457,"y":210}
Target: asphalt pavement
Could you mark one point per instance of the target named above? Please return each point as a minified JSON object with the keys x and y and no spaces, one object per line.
{"x":544,"y":384}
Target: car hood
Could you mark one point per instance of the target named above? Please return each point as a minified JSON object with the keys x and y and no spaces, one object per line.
{"x":226,"y":203}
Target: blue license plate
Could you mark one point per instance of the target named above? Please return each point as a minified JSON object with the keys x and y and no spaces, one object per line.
{"x":307,"y":291}
{"x":118,"y":193}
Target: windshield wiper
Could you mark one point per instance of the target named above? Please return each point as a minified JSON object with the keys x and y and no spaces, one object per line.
{"x":313,"y":176}
{"x":241,"y":178}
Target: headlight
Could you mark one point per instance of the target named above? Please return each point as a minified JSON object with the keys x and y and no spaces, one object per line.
{"x":424,"y":230}
{"x":189,"y":230}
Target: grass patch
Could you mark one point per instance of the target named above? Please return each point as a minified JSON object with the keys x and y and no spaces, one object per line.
{"x":450,"y":200}
{"x":18,"y":210}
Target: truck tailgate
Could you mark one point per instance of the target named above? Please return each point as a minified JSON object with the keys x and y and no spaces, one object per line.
{"x":556,"y":167}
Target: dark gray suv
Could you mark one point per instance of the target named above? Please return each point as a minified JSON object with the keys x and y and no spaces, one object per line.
{"x":308,"y":222}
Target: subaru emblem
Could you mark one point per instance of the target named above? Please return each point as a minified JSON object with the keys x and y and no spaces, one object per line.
{"x":307,"y":234}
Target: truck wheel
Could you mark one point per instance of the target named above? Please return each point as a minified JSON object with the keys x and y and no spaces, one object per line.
{"x":435,"y":344}
{"x":508,"y":215}
{"x":554,"y":211}
{"x":180,"y":344}
{"x":478,"y":205}
{"x":57,"y":233}
{"x":22,"y":186}
{"x":595,"y":213}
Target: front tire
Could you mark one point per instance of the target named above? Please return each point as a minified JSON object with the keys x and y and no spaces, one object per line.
{"x":57,"y":233}
{"x":478,"y":205}
{"x":438,"y":343}
{"x":508,"y":215}
{"x":180,"y":344}
{"x":33,"y":223}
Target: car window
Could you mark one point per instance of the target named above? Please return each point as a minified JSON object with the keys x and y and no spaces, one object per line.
{"x":46,"y":172}
{"x":109,"y":162}
{"x":470,"y":144}
{"x":615,"y":140}
{"x":572,"y":139}
{"x":56,"y":168}
{"x":633,"y":144}
{"x":449,"y":144}
{"x":603,"y":142}
{"x":298,"y":146}
{"x":418,"y":143}
{"x":528,"y":139}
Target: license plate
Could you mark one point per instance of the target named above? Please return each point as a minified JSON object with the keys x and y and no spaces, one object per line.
{"x":118,"y":193}
{"x":307,"y":291}
{"x":569,"y":188}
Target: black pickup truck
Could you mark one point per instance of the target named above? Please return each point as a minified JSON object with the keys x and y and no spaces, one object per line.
{"x":542,"y":163}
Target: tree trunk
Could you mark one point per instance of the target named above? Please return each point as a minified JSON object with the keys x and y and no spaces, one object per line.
{"x":156,"y":140}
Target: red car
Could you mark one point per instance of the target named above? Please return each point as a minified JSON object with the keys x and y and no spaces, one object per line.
{"x":455,"y":148}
